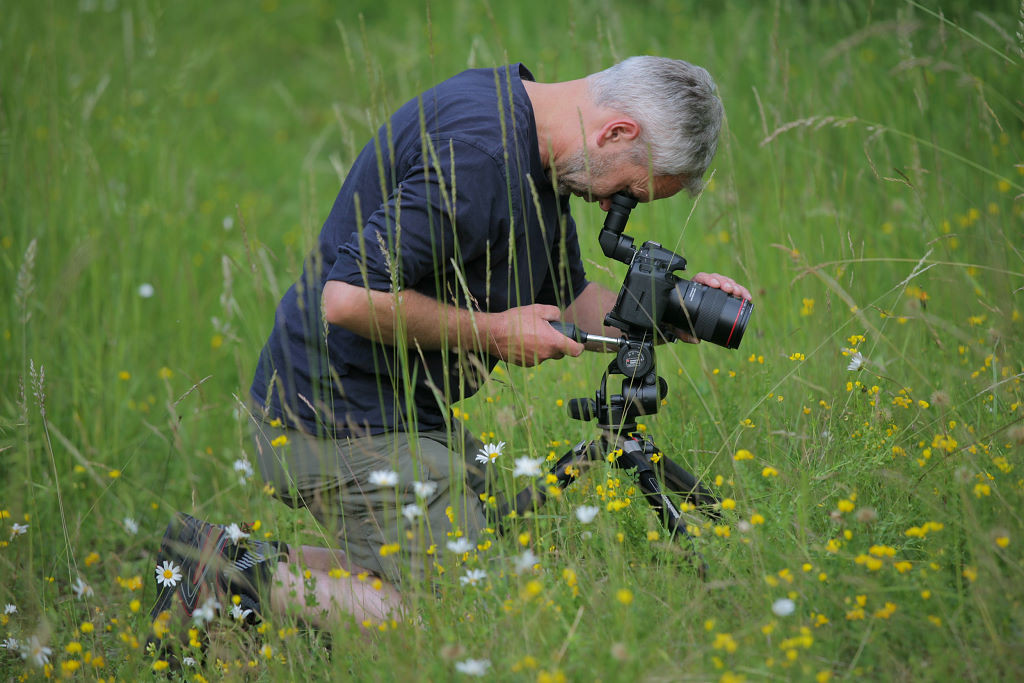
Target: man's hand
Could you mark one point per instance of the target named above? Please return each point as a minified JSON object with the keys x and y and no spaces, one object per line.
{"x":726,"y":284}
{"x":524,"y":336}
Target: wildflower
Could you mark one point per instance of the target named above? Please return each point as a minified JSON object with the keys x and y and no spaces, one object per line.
{"x":728,"y":504}
{"x":783,"y":607}
{"x":769,"y":471}
{"x":490,"y":452}
{"x":473,"y":577}
{"x":473,"y":667}
{"x":460,"y":546}
{"x":279,"y":441}
{"x":586,"y":513}
{"x":168,"y":574}
{"x":238,"y":613}
{"x":857,"y":361}
{"x":36,"y":651}
{"x":743,"y":454}
{"x":798,"y":356}
{"x":130,"y":525}
{"x":424,"y":489}
{"x":244,"y":469}
{"x":10,"y":609}
{"x":10,"y":644}
{"x":384,"y":478}
{"x":207,"y":612}
{"x":624,"y":595}
{"x":412,"y":511}
{"x":235,"y":533}
{"x":526,"y":561}
{"x":188,"y":661}
{"x":527,"y":467}
{"x":82,"y":589}
{"x":146,"y":290}
{"x":18,"y":529}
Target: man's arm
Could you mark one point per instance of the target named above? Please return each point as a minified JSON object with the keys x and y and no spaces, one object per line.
{"x":521,"y":336}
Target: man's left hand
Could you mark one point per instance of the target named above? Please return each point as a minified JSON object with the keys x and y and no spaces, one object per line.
{"x":726,"y":284}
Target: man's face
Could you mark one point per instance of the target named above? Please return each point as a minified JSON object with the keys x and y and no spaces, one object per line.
{"x":609,"y":173}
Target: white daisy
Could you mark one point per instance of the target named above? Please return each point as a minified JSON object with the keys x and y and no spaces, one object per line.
{"x":460,"y":545}
{"x":473,"y":577}
{"x":235,"y":532}
{"x":130,"y":525}
{"x":473,"y":667}
{"x":412,"y":511}
{"x":18,"y":529}
{"x":783,"y":607}
{"x":424,"y":489}
{"x":82,"y":589}
{"x":10,"y":644}
{"x":527,"y":467}
{"x":489,"y":452}
{"x":207,"y":612}
{"x":168,"y":574}
{"x":526,"y":561}
{"x":384,"y":478}
{"x":188,"y":661}
{"x":857,"y":361}
{"x":10,"y":609}
{"x":244,"y":469}
{"x":586,"y":513}
{"x":39,"y":653}
{"x":238,"y":613}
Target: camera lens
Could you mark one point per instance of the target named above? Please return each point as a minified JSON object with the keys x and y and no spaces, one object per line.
{"x":708,"y":313}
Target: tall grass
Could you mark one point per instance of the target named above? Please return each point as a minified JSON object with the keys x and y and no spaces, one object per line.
{"x":165,"y":169}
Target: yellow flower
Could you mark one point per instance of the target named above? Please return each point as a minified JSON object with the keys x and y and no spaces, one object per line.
{"x":756,"y":518}
{"x":728,"y":504}
{"x":1002,"y":541}
{"x":743,"y":454}
{"x":769,"y":471}
{"x":160,"y":665}
{"x":165,"y":373}
{"x":279,"y":441}
{"x":624,"y":595}
{"x":124,"y":375}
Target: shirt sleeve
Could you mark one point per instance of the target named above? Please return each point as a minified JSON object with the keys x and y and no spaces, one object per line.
{"x":437,"y":213}
{"x":567,"y":278}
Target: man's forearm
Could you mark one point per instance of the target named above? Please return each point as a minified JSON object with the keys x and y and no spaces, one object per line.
{"x":521,"y":335}
{"x":405,"y":318}
{"x":589,"y":309}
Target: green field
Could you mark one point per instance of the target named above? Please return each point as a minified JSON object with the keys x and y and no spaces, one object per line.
{"x":166,"y":166}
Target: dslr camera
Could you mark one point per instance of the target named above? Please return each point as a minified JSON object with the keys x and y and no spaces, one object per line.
{"x":654,"y":298}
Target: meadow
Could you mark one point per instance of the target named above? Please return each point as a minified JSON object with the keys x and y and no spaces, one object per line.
{"x":166,"y":166}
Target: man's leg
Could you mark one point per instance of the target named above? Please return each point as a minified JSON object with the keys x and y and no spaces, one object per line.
{"x":393,"y":532}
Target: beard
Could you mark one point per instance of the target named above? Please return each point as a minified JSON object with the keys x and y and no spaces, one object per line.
{"x":573,"y":176}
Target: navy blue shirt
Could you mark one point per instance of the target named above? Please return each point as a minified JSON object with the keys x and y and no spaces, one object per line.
{"x":449,"y":199}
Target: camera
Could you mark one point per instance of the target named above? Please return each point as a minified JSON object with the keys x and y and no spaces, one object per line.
{"x":654,"y":298}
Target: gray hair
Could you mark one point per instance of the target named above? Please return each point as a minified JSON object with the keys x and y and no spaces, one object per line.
{"x":677,"y":108}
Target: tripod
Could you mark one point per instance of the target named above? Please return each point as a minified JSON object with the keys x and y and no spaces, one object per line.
{"x":623,"y":444}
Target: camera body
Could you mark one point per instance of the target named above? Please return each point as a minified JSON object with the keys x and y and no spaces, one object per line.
{"x":653,"y":298}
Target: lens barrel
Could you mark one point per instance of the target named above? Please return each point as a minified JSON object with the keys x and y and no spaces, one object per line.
{"x":708,"y":313}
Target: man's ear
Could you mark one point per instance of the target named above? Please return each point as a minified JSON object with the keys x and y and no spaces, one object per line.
{"x":621,"y":129}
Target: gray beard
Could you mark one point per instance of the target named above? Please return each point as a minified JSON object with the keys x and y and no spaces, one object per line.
{"x":573,"y":177}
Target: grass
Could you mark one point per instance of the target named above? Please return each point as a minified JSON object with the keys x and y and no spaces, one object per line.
{"x":867,"y":189}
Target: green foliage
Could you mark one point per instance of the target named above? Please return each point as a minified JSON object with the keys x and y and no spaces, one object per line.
{"x":867,"y":190}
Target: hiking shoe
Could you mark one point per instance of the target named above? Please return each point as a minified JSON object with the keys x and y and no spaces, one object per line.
{"x":204,"y":568}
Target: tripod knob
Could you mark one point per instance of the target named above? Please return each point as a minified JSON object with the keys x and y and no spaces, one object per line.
{"x":582,"y":409}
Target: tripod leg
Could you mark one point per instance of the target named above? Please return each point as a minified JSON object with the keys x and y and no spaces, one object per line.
{"x":636,"y":453}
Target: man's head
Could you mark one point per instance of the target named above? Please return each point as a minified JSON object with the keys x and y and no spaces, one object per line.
{"x":665,"y":120}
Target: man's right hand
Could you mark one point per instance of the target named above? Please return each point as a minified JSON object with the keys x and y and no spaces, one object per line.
{"x":524,"y":336}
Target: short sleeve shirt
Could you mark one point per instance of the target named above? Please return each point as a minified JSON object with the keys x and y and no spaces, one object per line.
{"x":449,"y":199}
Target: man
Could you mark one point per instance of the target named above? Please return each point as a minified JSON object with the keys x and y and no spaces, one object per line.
{"x":449,"y":247}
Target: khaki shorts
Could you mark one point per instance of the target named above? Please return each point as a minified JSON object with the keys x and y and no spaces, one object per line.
{"x":332,"y":479}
